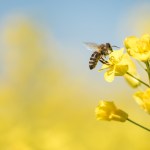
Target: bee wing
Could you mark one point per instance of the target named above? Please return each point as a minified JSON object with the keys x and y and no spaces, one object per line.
{"x":92,"y":46}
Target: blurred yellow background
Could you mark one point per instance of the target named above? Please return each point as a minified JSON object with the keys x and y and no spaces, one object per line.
{"x":48,"y":94}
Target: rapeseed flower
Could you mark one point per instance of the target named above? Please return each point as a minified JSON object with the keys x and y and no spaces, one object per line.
{"x":143,"y":99}
{"x":117,"y":65}
{"x":107,"y":110}
{"x":138,"y":48}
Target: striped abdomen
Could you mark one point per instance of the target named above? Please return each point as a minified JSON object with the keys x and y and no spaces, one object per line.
{"x":94,"y":59}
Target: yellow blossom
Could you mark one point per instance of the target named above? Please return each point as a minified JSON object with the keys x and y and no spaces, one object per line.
{"x":143,"y":99}
{"x":107,"y":110}
{"x":139,"y":48}
{"x":117,"y":65}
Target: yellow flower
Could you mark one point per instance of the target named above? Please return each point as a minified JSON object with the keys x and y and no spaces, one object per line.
{"x":117,"y":65}
{"x":139,"y":48}
{"x":143,"y":99}
{"x":132,"y":70}
{"x":107,"y":110}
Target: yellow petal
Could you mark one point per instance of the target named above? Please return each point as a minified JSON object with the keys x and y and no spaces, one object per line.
{"x":104,"y":66}
{"x":119,"y":115}
{"x":115,"y":56}
{"x":121,"y":70}
{"x":109,"y":105}
{"x":143,"y":99}
{"x":132,"y":70}
{"x":101,"y":114}
{"x":141,"y":56}
{"x":109,"y":75}
{"x":130,"y":42}
{"x":145,"y":36}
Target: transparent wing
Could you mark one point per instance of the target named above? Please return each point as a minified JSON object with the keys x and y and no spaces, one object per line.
{"x":91,"y":46}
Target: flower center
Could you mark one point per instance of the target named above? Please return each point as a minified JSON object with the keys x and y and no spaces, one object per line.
{"x":113,"y":60}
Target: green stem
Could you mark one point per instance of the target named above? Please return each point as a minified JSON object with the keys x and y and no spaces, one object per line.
{"x":138,"y":125}
{"x":148,"y":69}
{"x":138,"y":79}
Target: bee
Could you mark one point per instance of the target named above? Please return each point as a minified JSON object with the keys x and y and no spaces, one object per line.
{"x":99,"y":54}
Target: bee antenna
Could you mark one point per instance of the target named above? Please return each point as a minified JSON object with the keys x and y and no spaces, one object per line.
{"x":115,"y":46}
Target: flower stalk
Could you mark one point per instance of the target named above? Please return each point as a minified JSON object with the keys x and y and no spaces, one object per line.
{"x":138,"y":125}
{"x":148,"y":69}
{"x":138,"y":79}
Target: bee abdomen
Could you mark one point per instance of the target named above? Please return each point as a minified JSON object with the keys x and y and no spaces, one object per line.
{"x":94,"y":59}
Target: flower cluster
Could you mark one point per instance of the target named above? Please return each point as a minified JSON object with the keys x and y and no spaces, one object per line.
{"x":120,"y":63}
{"x":138,"y":48}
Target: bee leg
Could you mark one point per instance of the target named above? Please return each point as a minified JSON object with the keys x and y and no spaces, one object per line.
{"x":102,"y":60}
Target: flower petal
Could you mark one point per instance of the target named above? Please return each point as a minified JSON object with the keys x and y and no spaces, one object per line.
{"x":109,"y":75}
{"x":143,"y":99}
{"x":121,"y":70}
{"x":116,"y":55}
{"x":130,"y":42}
{"x":104,"y":66}
{"x":145,"y":36}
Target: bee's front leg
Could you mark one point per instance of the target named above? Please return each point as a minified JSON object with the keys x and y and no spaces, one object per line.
{"x":103,"y":61}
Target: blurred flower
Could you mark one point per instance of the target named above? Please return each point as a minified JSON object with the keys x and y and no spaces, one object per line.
{"x":107,"y":111}
{"x":139,"y":48}
{"x":117,"y":65}
{"x":132,"y":70}
{"x":143,"y":99}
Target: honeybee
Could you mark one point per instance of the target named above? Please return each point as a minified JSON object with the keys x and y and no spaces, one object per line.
{"x":99,"y":54}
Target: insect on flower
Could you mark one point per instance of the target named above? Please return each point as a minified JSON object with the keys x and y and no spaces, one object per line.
{"x":99,"y":54}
